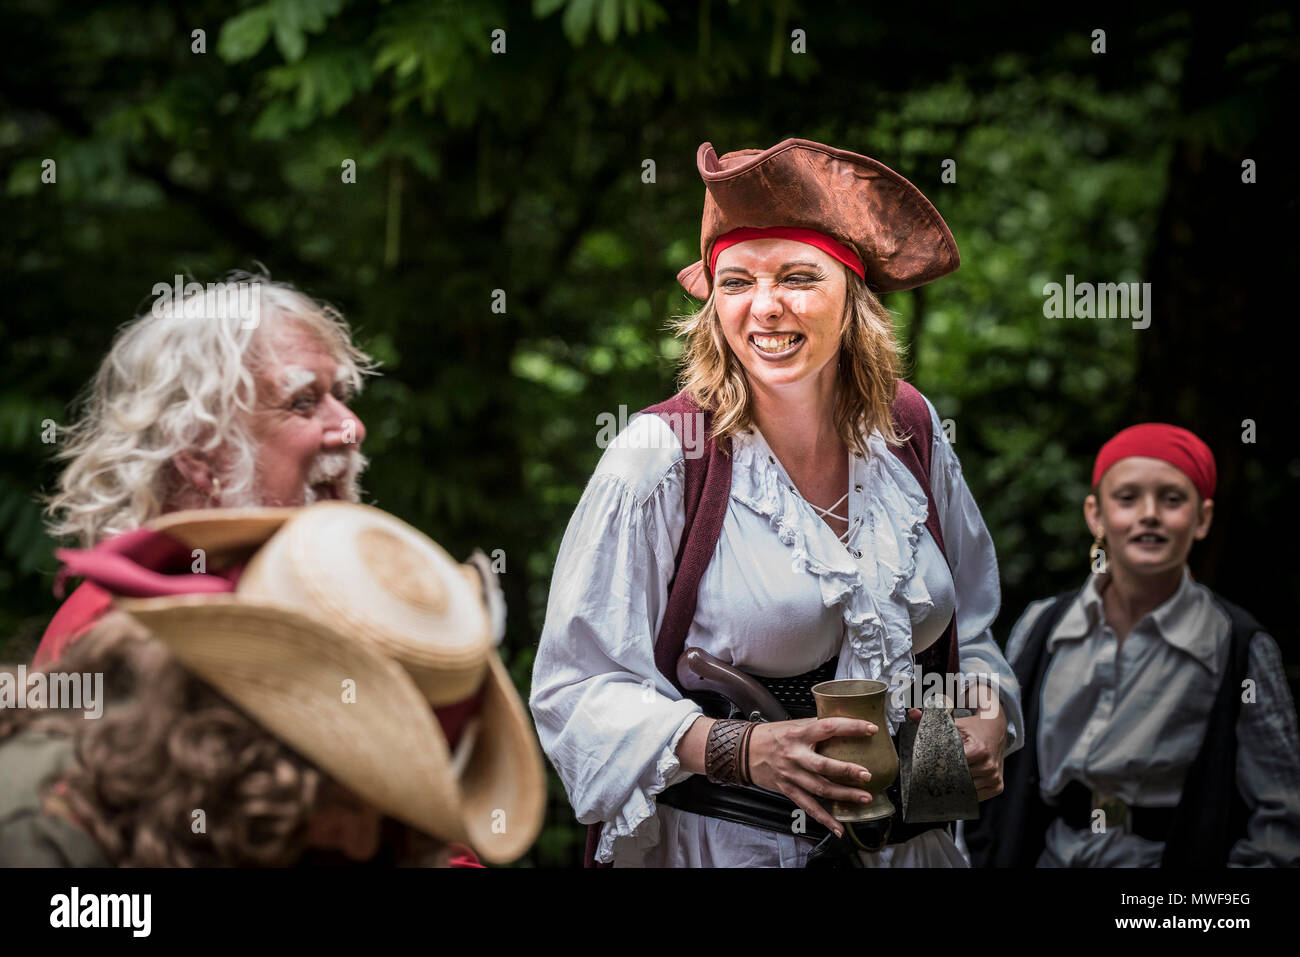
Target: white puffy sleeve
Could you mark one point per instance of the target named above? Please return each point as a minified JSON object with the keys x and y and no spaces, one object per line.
{"x":975,"y":576}
{"x":607,"y":719}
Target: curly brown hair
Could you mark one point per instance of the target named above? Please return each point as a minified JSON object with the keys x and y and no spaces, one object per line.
{"x":169,"y":745}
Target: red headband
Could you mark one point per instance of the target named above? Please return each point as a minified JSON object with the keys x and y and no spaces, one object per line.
{"x":1155,"y":440}
{"x":827,"y":244}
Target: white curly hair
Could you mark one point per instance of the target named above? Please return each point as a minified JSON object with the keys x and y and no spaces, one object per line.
{"x":180,"y":377}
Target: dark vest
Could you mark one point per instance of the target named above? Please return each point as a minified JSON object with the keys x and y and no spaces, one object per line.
{"x":1211,"y":815}
{"x":707,"y":491}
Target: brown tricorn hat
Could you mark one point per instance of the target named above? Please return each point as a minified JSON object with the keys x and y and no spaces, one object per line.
{"x":900,"y":236}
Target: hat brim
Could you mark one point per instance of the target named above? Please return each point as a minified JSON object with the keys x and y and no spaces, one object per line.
{"x":695,"y":279}
{"x":503,"y":787}
{"x":223,"y":533}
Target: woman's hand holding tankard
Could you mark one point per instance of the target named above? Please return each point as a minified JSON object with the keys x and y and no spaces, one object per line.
{"x":783,"y":757}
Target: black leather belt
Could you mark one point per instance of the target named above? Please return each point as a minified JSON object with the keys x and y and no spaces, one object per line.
{"x":1077,"y":804}
{"x":776,"y":812}
{"x":756,"y":807}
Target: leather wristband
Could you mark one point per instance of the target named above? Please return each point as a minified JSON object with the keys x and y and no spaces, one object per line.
{"x":722,"y":763}
{"x":742,"y":762}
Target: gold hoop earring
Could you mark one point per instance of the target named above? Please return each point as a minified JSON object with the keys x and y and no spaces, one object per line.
{"x":1097,"y":556}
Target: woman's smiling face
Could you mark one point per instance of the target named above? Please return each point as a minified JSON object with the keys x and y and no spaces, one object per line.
{"x":781,"y":306}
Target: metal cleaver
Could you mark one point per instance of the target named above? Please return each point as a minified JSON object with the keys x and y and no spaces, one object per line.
{"x":934,"y":777}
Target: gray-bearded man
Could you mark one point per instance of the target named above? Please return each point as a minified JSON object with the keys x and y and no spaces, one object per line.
{"x":204,"y":402}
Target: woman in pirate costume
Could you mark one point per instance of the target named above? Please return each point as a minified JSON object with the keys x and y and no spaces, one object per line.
{"x":796,"y":514}
{"x":1160,"y":730}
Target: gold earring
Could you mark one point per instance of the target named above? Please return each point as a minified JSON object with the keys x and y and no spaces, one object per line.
{"x":1097,"y":555}
{"x":215,"y":492}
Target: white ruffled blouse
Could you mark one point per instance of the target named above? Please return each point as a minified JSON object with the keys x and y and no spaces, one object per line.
{"x":781,"y":596}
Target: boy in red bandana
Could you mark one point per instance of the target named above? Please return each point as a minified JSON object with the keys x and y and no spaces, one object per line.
{"x":1159,"y":727}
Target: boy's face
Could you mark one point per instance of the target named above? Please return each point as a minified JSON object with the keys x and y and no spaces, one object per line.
{"x":1149,"y":513}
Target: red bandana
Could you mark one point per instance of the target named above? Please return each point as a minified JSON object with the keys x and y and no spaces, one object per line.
{"x":827,"y":244}
{"x":1168,"y":443}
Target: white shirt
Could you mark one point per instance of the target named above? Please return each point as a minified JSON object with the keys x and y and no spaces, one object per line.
{"x":780,"y":596}
{"x":1127,"y":719}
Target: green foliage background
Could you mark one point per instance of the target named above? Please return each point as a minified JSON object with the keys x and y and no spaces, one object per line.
{"x":523,"y":171}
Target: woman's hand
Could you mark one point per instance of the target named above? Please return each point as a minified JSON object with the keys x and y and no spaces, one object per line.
{"x":984,"y":739}
{"x":782,"y":757}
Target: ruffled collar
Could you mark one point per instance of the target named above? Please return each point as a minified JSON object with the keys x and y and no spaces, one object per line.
{"x":879,"y":594}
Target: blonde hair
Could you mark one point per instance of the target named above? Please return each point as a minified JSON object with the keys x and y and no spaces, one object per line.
{"x":866,"y":380}
{"x":178,"y":378}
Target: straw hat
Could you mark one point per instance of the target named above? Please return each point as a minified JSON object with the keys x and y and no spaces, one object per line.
{"x":346,"y":629}
{"x":900,"y":237}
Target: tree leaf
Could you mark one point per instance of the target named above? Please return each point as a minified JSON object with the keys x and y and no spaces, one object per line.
{"x":243,"y":36}
{"x":291,"y":41}
{"x":607,"y":20}
{"x":577,"y":20}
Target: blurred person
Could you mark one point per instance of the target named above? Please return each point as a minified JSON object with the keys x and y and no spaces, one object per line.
{"x":339,"y":701}
{"x":201,"y":405}
{"x":123,"y":792}
{"x":1159,"y":727}
{"x":814,"y":525}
